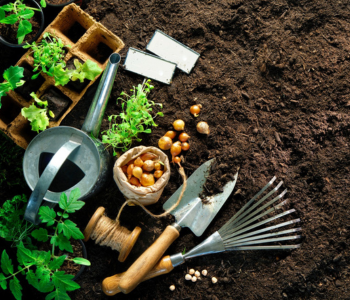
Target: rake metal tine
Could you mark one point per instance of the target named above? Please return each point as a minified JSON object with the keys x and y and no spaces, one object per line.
{"x":260,"y":209}
{"x":256,"y":218}
{"x":280,"y":239}
{"x":257,"y":224}
{"x":262,"y":230}
{"x":276,"y":247}
{"x":234,"y":243}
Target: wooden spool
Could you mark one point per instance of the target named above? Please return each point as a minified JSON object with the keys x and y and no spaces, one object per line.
{"x":128,"y":242}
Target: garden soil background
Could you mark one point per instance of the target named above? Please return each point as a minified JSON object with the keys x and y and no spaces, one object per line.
{"x":273,"y":79}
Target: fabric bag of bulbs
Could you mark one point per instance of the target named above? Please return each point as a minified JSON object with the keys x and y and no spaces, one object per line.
{"x":142,"y":173}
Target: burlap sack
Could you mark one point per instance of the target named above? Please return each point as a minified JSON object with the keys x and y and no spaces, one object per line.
{"x":145,"y":195}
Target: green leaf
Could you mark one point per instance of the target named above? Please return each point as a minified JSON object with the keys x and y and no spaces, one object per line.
{"x":13,"y":75}
{"x":43,"y":3}
{"x":73,"y":204}
{"x":64,"y":281}
{"x":91,"y":70}
{"x":81,"y":261}
{"x":62,"y":242}
{"x":7,"y":7}
{"x":12,"y":19}
{"x":3,"y":282}
{"x":16,"y":288}
{"x":37,"y":116}
{"x":25,"y":256}
{"x":56,"y":263}
{"x":26,"y":14}
{"x":6,"y":263}
{"x":24,"y":28}
{"x":58,"y":294}
{"x":70,"y":229}
{"x":47,"y":215}
{"x":40,"y":234}
{"x":45,"y":284}
{"x":32,"y":279}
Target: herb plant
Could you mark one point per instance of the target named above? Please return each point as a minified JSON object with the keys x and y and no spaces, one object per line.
{"x":20,"y":13}
{"x":42,"y":267}
{"x":12,"y":225}
{"x":49,"y":58}
{"x":13,"y":77}
{"x":133,"y":121}
{"x":37,"y":116}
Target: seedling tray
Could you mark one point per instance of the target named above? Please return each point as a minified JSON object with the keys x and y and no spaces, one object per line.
{"x":88,"y":40}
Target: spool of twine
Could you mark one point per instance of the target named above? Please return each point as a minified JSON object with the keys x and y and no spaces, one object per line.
{"x":108,"y":232}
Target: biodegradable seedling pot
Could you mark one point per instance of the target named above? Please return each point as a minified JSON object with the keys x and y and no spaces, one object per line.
{"x":86,"y":37}
{"x":32,"y":3}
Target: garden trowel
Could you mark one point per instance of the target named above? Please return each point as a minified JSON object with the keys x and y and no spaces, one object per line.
{"x":192,"y":212}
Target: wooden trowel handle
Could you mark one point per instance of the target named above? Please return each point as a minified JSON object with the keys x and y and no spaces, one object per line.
{"x":110,"y":285}
{"x":145,"y":263}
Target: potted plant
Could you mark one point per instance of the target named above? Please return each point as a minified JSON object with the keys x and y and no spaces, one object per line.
{"x":18,"y":24}
{"x":13,"y":79}
{"x":43,"y":268}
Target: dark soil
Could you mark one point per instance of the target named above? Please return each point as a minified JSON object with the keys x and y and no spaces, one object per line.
{"x":76,"y":85}
{"x":58,"y":103}
{"x":75,"y":32}
{"x":9,"y":32}
{"x":101,"y":52}
{"x":272,"y":79}
{"x":30,"y":85}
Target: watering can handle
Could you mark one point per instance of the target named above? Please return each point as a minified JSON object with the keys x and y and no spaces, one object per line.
{"x":46,"y":178}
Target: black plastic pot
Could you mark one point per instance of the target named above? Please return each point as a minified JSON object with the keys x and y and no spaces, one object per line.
{"x":82,"y":267}
{"x":60,"y":6}
{"x":36,"y":5}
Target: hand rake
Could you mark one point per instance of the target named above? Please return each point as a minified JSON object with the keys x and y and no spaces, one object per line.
{"x":241,"y":232}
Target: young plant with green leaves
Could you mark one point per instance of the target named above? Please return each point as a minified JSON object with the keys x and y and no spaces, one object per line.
{"x":133,"y":121}
{"x":13,"y":227}
{"x":49,"y":58}
{"x":42,"y":268}
{"x":37,"y":116}
{"x":19,"y":13}
{"x":13,"y":77}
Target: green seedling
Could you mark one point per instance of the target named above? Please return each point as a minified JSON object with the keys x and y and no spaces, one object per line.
{"x":20,"y":13}
{"x":133,"y":121}
{"x":49,"y":58}
{"x":41,"y":268}
{"x":37,"y":116}
{"x":13,"y":77}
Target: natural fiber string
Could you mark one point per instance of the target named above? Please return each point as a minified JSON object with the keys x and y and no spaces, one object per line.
{"x":184,"y":178}
{"x":109,"y":233}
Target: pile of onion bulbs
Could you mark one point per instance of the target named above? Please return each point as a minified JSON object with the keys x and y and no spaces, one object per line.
{"x":145,"y":170}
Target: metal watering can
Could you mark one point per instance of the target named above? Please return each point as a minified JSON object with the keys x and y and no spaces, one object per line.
{"x":70,"y":158}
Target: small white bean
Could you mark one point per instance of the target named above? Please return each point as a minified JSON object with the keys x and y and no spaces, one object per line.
{"x":214,"y":280}
{"x":194,"y":279}
{"x":204,"y":272}
{"x":188,"y":277}
{"x":172,"y":288}
{"x":191,"y":271}
{"x":197,"y":274}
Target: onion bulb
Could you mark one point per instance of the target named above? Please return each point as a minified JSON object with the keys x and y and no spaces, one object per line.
{"x":195,"y":109}
{"x":175,"y":149}
{"x":176,"y":159}
{"x":203,"y":128}
{"x":124,"y":169}
{"x":185,"y":146}
{"x":183,"y":137}
{"x":148,"y":165}
{"x":138,"y":162}
{"x":165,"y":143}
{"x":179,"y":125}
{"x":147,"y":179}
{"x":158,"y":173}
{"x":134,"y":181}
{"x":171,"y":134}
{"x":148,"y":156}
{"x":158,"y":166}
{"x":137,"y":172}
{"x":129,"y":170}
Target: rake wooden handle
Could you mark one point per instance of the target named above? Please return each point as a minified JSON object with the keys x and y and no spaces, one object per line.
{"x":110,"y":285}
{"x":145,"y":263}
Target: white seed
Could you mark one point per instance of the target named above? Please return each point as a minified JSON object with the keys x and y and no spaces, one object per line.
{"x":194,"y":279}
{"x":214,"y":280}
{"x":197,"y":274}
{"x":191,"y":271}
{"x":188,"y":277}
{"x":172,"y":288}
{"x":204,"y":272}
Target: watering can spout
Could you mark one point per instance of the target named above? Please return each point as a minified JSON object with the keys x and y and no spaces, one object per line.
{"x":92,"y":123}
